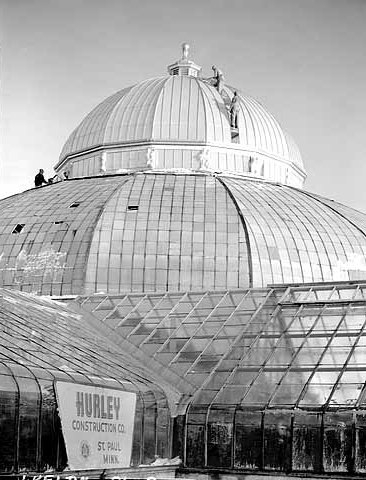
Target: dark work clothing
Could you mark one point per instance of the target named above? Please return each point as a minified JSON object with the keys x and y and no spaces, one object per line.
{"x":234,"y":111}
{"x":39,"y":179}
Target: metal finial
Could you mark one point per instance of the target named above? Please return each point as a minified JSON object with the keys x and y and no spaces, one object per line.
{"x":185,"y":50}
{"x":183,"y":66}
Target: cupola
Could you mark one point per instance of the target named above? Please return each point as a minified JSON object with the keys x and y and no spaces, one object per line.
{"x":184,"y":66}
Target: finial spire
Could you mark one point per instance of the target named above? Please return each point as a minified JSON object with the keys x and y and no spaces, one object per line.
{"x":184,"y":66}
{"x":185,"y":50}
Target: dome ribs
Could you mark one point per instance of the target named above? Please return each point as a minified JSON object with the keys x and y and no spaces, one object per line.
{"x":294,"y":154}
{"x":172,"y":122}
{"x":184,"y":110}
{"x":174,"y":109}
{"x":263,"y":134}
{"x":295,"y":239}
{"x":356,"y":261}
{"x":245,"y":229}
{"x":146,"y":111}
{"x":50,"y":255}
{"x":124,"y":119}
{"x":181,"y":232}
{"x":321,"y":231}
{"x":98,"y":116}
{"x":180,"y":238}
{"x":260,"y":253}
{"x":327,"y":203}
{"x":216,"y":115}
{"x":84,"y":247}
{"x":298,"y":233}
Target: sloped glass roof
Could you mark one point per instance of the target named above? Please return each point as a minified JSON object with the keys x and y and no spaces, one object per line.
{"x":290,"y":347}
{"x":41,"y":336}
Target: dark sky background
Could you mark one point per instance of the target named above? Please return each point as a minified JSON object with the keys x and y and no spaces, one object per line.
{"x":305,"y":60}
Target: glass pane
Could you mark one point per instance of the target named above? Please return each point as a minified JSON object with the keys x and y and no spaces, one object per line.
{"x":28,"y":422}
{"x":248,"y":440}
{"x":195,"y":455}
{"x":337,"y":443}
{"x":316,"y":395}
{"x":49,"y":434}
{"x":195,"y":445}
{"x":358,"y":358}
{"x":219,"y":442}
{"x":149,"y":428}
{"x":178,"y":436}
{"x":162,"y":428}
{"x":319,"y":388}
{"x":136,"y":457}
{"x":8,"y":407}
{"x":290,"y":388}
{"x":263,"y":387}
{"x":345,"y":394}
{"x":306,"y":442}
{"x":360,"y":455}
{"x":335,"y":356}
{"x":277,"y":445}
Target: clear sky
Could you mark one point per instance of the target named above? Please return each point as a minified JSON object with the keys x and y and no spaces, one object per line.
{"x":305,"y":60}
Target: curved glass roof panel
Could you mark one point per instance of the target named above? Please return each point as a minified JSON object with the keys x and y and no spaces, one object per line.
{"x":49,"y":254}
{"x":293,"y":235}
{"x":42,"y":337}
{"x":183,"y":232}
{"x":91,"y":130}
{"x":356,"y":217}
{"x":185,"y":112}
{"x":174,"y":232}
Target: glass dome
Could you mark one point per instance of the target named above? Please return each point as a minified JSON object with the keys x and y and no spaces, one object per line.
{"x":181,"y":121}
{"x":146,"y":232}
{"x":184,"y":256}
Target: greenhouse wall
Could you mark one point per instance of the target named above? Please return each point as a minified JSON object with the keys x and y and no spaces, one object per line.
{"x":31,"y":437}
{"x":331,"y":442}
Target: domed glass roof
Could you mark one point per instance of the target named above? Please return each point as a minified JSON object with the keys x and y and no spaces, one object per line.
{"x":181,"y":121}
{"x":160,"y":264}
{"x":175,"y":232}
{"x":150,"y":111}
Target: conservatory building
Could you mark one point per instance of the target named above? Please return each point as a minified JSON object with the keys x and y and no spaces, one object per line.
{"x":176,"y":304}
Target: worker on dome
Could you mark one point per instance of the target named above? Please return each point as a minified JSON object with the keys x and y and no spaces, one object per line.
{"x":234,"y":111}
{"x":39,"y":179}
{"x":218,"y":78}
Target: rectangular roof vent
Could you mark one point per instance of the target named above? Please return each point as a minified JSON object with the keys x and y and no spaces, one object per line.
{"x":18,"y":228}
{"x":132,"y":207}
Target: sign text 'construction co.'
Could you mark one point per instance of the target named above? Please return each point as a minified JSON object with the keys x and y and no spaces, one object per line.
{"x":97,"y":424}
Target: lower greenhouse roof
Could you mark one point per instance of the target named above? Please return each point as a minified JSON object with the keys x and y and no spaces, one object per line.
{"x":42,"y":339}
{"x":296,"y":346}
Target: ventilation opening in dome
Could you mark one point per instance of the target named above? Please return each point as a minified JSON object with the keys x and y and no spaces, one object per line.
{"x":18,"y":228}
{"x":74,"y":205}
{"x":132,"y":207}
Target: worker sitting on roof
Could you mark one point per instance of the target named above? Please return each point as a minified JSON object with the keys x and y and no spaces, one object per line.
{"x":39,"y":179}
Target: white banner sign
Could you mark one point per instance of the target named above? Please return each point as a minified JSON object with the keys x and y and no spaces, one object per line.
{"x":97,"y":425}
